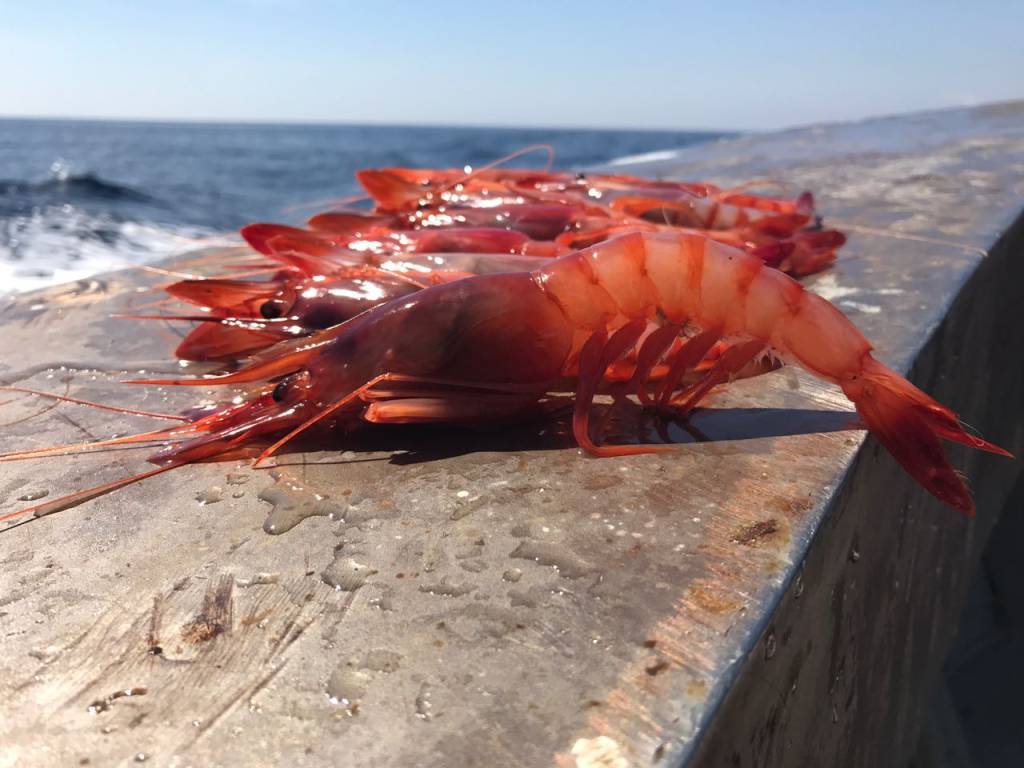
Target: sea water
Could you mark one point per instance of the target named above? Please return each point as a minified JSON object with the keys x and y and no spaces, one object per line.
{"x":81,"y":197}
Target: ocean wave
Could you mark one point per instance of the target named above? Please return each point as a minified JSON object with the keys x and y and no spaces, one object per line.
{"x":647,"y":157}
{"x":81,"y":187}
{"x":62,"y":243}
{"x":83,"y":197}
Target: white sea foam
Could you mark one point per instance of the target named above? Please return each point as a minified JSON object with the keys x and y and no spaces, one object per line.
{"x":647,"y":157}
{"x":59,"y":244}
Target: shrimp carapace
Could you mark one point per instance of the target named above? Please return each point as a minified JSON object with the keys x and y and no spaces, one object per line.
{"x":248,"y":316}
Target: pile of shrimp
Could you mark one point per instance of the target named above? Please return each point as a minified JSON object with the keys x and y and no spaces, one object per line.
{"x":433,"y":226}
{"x":469,"y":297}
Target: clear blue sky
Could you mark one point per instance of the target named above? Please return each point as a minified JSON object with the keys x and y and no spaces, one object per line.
{"x":746,"y":64}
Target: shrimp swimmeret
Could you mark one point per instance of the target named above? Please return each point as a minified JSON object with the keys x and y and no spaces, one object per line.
{"x":492,"y":347}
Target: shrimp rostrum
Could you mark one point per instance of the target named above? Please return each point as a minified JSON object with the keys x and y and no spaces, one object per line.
{"x":492,"y":347}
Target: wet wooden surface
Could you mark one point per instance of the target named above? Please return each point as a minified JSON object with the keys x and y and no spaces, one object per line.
{"x":778,"y":594}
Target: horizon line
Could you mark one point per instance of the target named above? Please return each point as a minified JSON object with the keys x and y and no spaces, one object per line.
{"x":368,"y":124}
{"x":721,"y":132}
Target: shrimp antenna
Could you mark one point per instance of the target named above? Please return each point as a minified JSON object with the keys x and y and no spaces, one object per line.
{"x":79,"y":497}
{"x":190,"y":318}
{"x":336,"y":405}
{"x":904,"y":236}
{"x":511,"y":156}
{"x":156,"y":303}
{"x":101,"y":406}
{"x":749,"y":185}
{"x":165,"y":272}
{"x":336,"y":202}
{"x":142,"y":437}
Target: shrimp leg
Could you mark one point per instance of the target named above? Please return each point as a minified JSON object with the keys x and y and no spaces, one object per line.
{"x":688,"y":356}
{"x":451,"y":408}
{"x":597,"y":354}
{"x":365,"y":392}
{"x":731,"y":362}
{"x":651,"y":351}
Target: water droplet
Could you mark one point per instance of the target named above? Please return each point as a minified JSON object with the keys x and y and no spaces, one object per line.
{"x":520,"y":599}
{"x":602,"y":482}
{"x":259,"y":578}
{"x":381,"y":660}
{"x":34,"y":495}
{"x":102,"y":705}
{"x":346,"y":575}
{"x":382,"y":600}
{"x":474,"y":565}
{"x":346,"y":688}
{"x":210,"y":495}
{"x":293,"y":503}
{"x":445,"y":589}
{"x":140,"y":757}
{"x":521,"y":531}
{"x":424,"y":706}
{"x":544,"y":553}
{"x":770,"y":644}
{"x":512,"y":574}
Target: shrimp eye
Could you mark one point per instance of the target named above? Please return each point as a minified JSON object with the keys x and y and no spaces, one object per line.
{"x":271,"y":310}
{"x":280,"y":391}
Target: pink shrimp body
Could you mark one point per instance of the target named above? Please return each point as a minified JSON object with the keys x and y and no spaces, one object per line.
{"x":490,"y":347}
{"x":721,"y":290}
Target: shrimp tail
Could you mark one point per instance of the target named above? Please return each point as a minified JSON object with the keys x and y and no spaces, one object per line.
{"x":775,"y":253}
{"x":911,"y":425}
{"x":813,"y":250}
{"x":781,"y":224}
{"x":804,"y":204}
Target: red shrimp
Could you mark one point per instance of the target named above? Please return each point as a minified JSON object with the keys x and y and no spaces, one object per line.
{"x":709,"y":213}
{"x":803,"y":253}
{"x":493,"y":347}
{"x":243,"y":317}
{"x":770,"y":226}
{"x":329,"y":230}
{"x":406,"y":189}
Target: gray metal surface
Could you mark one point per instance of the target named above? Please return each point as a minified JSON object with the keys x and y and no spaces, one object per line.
{"x":781,"y":594}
